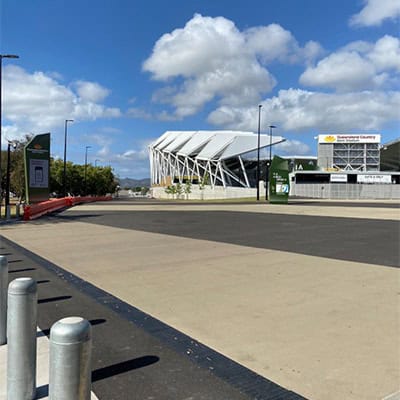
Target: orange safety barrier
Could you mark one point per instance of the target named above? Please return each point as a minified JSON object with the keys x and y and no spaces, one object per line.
{"x":37,"y":210}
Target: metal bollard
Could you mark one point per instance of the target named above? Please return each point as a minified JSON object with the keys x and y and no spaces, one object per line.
{"x":21,"y":335}
{"x":70,"y":359}
{"x":3,"y":299}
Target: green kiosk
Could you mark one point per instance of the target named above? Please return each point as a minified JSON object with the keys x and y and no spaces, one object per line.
{"x":37,"y":168}
{"x":279,"y":184}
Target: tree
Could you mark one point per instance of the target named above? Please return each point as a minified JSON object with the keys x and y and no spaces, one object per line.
{"x":204,"y":181}
{"x":171,"y":189}
{"x":17,"y":169}
{"x":179,"y":190}
{"x":187,"y":189}
{"x":99,"y":180}
{"x":144,"y":190}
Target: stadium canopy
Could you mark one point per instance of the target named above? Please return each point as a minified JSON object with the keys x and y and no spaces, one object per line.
{"x":217,"y":158}
{"x":390,"y":156}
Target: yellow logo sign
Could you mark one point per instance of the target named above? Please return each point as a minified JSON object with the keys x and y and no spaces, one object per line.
{"x":330,"y":139}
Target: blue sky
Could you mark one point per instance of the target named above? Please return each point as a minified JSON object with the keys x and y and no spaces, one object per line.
{"x":127,"y":71}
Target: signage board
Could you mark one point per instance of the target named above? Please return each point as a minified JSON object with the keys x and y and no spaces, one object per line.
{"x":373,"y":138}
{"x":279,"y":181}
{"x":305,"y":164}
{"x":338,"y":178}
{"x":374,"y":178}
{"x":37,"y":168}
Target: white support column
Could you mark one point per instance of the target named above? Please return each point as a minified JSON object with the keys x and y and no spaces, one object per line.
{"x":244,"y":172}
{"x":211,"y":174}
{"x":222,"y":174}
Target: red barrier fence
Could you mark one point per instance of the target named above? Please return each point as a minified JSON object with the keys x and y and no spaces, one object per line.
{"x":36,"y":210}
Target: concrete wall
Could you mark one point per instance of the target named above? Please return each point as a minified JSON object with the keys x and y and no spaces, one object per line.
{"x":208,"y":193}
{"x":311,"y":190}
{"x":325,"y":155}
{"x":345,"y":191}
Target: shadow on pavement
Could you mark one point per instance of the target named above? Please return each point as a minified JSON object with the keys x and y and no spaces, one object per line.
{"x":107,"y":372}
{"x":13,"y":271}
{"x":122,"y":367}
{"x":52,"y":299}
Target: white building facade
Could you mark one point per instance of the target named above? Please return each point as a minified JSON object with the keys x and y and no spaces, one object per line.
{"x":359,"y":152}
{"x":212,"y":158}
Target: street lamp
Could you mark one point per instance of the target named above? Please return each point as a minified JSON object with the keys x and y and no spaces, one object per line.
{"x":269,"y":162}
{"x":7,"y":205}
{"x":258,"y":154}
{"x":1,"y":64}
{"x":65,"y":157}
{"x":86,"y":151}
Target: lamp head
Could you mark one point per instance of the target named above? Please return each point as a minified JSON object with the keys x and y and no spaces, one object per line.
{"x":8,"y":56}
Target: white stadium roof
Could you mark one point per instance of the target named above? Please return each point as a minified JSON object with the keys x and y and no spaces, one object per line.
{"x":211,"y":145}
{"x":202,"y":156}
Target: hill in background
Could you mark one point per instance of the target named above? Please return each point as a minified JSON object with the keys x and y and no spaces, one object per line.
{"x":132,"y":183}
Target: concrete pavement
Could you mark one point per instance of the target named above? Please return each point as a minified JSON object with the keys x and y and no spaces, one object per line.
{"x":320,"y":325}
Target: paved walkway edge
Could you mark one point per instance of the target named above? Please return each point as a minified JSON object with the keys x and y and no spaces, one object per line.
{"x":240,"y":377}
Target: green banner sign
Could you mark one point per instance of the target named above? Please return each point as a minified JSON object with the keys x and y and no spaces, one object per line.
{"x":37,"y":168}
{"x":279,"y":181}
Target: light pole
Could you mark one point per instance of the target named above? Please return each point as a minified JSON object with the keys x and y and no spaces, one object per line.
{"x":65,"y":158}
{"x":7,"y":203}
{"x":258,"y":153}
{"x":269,"y":162}
{"x":86,"y":150}
{"x":1,"y":65}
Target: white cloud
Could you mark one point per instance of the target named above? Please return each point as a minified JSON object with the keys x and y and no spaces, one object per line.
{"x":135,"y":155}
{"x":135,"y":112}
{"x":203,"y":42}
{"x":300,"y":110}
{"x":292,"y":147}
{"x":103,"y":142}
{"x":212,"y":59}
{"x":273,"y":42}
{"x":385,"y":54}
{"x":91,"y":91}
{"x":343,"y":71}
{"x":357,"y":66}
{"x":375,"y":12}
{"x":37,"y":102}
{"x":133,"y":162}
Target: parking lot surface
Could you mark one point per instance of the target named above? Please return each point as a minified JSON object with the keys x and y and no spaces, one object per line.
{"x":304,"y":296}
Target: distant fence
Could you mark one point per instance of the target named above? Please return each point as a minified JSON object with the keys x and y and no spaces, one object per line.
{"x":36,"y":210}
{"x":345,"y":191}
{"x":310,"y":190}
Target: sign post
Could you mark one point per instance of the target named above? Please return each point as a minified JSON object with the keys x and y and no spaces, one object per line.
{"x":279,"y":181}
{"x":37,"y":168}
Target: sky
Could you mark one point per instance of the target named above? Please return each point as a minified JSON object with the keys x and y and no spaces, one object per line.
{"x":127,"y":71}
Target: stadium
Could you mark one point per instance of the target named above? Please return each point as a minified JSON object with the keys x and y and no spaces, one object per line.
{"x":223,"y":164}
{"x":218,"y":160}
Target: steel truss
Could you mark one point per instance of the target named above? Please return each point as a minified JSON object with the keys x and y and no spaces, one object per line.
{"x":166,"y":167}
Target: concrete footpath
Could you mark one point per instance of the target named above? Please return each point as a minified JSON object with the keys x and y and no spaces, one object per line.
{"x":134,"y":355}
{"x":306,"y":297}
